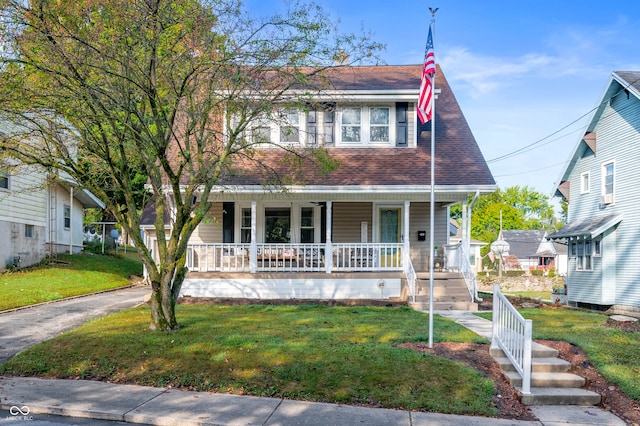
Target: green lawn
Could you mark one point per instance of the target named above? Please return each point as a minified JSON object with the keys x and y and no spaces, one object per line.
{"x":614,"y":353}
{"x":69,"y":276}
{"x":314,"y":353}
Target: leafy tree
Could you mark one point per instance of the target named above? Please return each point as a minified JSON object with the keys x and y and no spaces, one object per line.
{"x":521,"y":208}
{"x":106,"y":92}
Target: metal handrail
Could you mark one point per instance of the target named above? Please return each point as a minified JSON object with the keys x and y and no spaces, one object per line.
{"x":513,"y":334}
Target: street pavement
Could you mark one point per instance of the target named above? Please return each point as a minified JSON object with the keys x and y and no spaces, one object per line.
{"x":45,"y":402}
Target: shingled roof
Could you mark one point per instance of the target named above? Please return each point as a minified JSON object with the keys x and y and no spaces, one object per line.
{"x":458,"y":162}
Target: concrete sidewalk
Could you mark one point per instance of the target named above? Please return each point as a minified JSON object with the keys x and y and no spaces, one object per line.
{"x":147,"y":405}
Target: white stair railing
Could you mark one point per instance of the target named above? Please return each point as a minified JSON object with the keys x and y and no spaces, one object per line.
{"x":512,"y":333}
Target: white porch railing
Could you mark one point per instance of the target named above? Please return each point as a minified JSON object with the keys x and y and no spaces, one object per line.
{"x":411,"y":277}
{"x":458,"y":260}
{"x":218,"y":257}
{"x":293,"y":257}
{"x":512,"y":333}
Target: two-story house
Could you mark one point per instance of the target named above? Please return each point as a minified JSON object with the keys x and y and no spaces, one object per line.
{"x":40,"y":216}
{"x":41,"y":213}
{"x":359,"y":231}
{"x":600,"y":182}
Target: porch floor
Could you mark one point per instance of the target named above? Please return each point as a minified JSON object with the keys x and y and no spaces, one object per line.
{"x":281,"y":275}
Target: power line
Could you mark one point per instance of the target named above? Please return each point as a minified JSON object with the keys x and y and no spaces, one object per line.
{"x":531,"y":146}
{"x":531,"y":171}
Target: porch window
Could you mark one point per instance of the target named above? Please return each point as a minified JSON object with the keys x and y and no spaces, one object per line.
{"x":245,"y":226}
{"x":67,"y":217}
{"x":307,"y":229}
{"x":277,"y":225}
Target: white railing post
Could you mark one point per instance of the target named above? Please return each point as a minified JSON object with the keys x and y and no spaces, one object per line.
{"x":513,"y":334}
{"x":526,"y":364}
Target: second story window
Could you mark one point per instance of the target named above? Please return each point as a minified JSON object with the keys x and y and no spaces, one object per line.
{"x":585,"y":184}
{"x":351,"y":126}
{"x":379,"y":124}
{"x":366,"y":126}
{"x":290,"y":127}
{"x":608,"y":173}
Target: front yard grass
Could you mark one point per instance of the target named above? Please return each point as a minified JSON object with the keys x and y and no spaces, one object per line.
{"x":613,"y":352}
{"x":314,"y":353}
{"x":68,"y":276}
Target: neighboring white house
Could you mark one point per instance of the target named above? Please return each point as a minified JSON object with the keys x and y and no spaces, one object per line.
{"x":39,"y":216}
{"x":600,"y":182}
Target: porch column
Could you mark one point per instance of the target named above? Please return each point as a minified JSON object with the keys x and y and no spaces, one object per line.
{"x":406,"y":238}
{"x":464,"y":243}
{"x":328,"y":249}
{"x":253,"y":248}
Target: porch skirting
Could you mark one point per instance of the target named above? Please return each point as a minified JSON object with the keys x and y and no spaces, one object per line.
{"x":294,"y":286}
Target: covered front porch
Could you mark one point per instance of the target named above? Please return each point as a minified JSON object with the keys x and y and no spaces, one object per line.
{"x":305,"y":246}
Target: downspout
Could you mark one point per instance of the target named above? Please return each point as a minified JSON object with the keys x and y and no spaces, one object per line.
{"x":71,"y":221}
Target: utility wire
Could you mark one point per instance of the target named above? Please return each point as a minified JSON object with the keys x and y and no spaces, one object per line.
{"x":531,"y":146}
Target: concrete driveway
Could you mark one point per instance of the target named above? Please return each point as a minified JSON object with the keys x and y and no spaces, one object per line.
{"x":26,"y":327}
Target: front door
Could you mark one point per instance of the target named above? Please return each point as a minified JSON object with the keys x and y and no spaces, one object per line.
{"x":389,"y":231}
{"x":389,"y":225}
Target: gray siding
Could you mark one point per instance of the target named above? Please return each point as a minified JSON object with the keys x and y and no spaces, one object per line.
{"x":210,"y":230}
{"x":346,"y":221}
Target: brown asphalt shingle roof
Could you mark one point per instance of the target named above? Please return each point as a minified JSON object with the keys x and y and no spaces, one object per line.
{"x":458,"y":157}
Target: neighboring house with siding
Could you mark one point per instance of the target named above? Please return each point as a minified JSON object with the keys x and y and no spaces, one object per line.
{"x":39,"y":216}
{"x":359,"y":231}
{"x":600,"y":182}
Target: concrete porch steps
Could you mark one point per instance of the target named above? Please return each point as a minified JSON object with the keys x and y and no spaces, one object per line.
{"x":449,"y":293}
{"x":551,"y":383}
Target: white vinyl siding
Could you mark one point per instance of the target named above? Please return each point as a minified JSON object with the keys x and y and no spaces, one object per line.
{"x":25,"y":201}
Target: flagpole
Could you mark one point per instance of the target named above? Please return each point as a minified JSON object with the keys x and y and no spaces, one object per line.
{"x":432,"y":195}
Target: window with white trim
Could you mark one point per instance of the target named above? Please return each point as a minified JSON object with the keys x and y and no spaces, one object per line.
{"x":67,"y":217}
{"x":585,"y":183}
{"x":290,"y":126}
{"x":608,"y":189}
{"x":307,"y":225}
{"x":582,"y":251}
{"x":365,"y":125}
{"x":245,"y":225}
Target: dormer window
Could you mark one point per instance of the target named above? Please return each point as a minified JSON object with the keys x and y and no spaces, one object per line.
{"x":361,"y":125}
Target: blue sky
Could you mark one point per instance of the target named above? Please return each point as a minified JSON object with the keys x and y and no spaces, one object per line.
{"x":521,"y":70}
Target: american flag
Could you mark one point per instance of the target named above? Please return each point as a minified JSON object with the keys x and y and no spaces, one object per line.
{"x":425,"y":105}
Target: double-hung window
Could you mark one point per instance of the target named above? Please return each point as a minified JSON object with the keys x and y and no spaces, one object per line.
{"x":608,"y":190}
{"x":67,"y":217}
{"x":583,"y":251}
{"x":585,"y":183}
{"x":379,"y":124}
{"x":363,"y":125}
{"x":351,"y":125}
{"x":290,"y":127}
